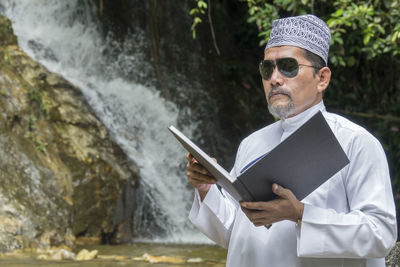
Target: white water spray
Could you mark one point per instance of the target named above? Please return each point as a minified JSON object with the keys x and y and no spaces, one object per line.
{"x":64,"y":37}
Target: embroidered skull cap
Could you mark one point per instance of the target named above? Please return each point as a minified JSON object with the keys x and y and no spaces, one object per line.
{"x":305,"y":31}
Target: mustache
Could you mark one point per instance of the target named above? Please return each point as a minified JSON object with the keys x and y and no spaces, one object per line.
{"x":278,"y":90}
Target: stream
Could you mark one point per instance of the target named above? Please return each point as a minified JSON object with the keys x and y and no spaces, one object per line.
{"x":129,"y":255}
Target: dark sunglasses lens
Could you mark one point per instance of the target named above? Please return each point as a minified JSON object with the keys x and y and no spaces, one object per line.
{"x":266,"y":69}
{"x":288,"y":66}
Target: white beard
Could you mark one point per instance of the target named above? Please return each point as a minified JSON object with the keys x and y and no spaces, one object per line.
{"x":282,"y":111}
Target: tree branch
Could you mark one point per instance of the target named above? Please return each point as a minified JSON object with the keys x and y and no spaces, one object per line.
{"x":368,"y":115}
{"x":212,"y":28}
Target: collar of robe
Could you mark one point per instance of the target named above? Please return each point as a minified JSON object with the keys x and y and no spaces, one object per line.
{"x":291,"y":124}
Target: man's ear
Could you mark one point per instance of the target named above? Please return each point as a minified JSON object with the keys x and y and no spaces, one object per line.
{"x":324,"y":79}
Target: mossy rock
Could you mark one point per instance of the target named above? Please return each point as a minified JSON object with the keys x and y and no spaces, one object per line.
{"x":61,"y":175}
{"x":393,"y":259}
{"x":7,"y":36}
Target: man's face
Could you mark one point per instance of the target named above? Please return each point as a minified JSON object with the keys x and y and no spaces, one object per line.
{"x":286,"y":96}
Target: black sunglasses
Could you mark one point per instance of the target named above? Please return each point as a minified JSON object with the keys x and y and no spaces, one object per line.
{"x":288,"y":66}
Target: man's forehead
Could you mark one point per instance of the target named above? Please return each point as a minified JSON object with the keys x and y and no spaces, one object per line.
{"x":283,"y":51}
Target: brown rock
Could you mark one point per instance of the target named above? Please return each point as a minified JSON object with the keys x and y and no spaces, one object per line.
{"x":61,"y":175}
{"x":393,"y":259}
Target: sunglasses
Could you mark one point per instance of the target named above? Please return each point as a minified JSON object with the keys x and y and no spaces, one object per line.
{"x":288,"y":66}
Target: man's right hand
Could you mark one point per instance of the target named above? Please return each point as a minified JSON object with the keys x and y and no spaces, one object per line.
{"x":198,"y":176}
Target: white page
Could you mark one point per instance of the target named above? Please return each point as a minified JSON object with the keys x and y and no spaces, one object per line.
{"x":224,"y":179}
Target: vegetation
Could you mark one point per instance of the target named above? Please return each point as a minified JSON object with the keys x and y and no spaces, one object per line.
{"x":36,"y":99}
{"x":364,"y":58}
{"x":369,"y":28}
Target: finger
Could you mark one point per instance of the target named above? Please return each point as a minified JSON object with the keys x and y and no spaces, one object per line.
{"x":197,"y":177}
{"x":263,"y":220}
{"x":255,"y":215}
{"x":200,"y":180}
{"x":261,"y":223}
{"x":246,"y":212}
{"x":195,"y":167}
{"x":200,"y":186}
{"x":258,"y":217}
{"x":255,"y":205}
{"x":190,"y":158}
{"x":258,"y":224}
{"x":283,"y":192}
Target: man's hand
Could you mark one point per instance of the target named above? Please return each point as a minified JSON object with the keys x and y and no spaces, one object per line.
{"x":285,"y":207}
{"x":198,"y":176}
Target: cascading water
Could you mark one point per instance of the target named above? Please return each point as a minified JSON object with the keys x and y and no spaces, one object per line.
{"x":64,"y":36}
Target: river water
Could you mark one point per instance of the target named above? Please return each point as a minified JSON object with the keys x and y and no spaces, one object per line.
{"x":129,"y":255}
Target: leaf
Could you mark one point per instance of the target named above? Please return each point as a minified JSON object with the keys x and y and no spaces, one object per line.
{"x":380,"y":28}
{"x":339,"y":13}
{"x":285,"y":3}
{"x":197,"y":20}
{"x":193,"y":11}
{"x":202,"y":4}
{"x":351,"y":62}
{"x":366,"y":39}
{"x":338,"y":39}
{"x":394,"y":37}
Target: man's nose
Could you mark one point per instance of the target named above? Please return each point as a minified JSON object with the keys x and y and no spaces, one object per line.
{"x":276,"y":78}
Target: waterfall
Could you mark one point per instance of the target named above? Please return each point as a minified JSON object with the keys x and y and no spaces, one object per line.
{"x":65,"y":37}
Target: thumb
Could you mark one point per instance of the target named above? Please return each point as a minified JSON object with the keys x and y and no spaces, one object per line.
{"x":281,"y":191}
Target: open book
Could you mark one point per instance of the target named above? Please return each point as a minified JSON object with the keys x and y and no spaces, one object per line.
{"x":301,"y":163}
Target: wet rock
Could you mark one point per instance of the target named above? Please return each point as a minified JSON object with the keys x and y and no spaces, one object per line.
{"x":6,"y":32}
{"x":393,"y":259}
{"x":159,"y":259}
{"x":57,"y":255}
{"x":195,"y":260}
{"x":85,"y":255}
{"x":113,"y":257}
{"x":61,"y":174}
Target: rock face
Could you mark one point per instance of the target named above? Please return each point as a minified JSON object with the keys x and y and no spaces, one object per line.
{"x":61,"y":176}
{"x":393,"y":259}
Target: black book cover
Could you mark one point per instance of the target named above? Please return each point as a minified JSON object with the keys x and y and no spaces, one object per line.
{"x":301,"y":163}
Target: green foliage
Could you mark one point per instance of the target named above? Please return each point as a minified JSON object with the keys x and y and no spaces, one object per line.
{"x":6,"y":33}
{"x":32,"y":123}
{"x":366,"y":27}
{"x":258,"y":11}
{"x":36,"y":96}
{"x":196,"y":13}
{"x":33,"y":135}
{"x":363,"y":27}
{"x":41,"y":146}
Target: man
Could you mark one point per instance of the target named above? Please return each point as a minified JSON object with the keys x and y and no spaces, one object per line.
{"x":349,"y":220}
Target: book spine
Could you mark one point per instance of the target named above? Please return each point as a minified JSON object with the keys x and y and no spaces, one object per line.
{"x":242,"y":190}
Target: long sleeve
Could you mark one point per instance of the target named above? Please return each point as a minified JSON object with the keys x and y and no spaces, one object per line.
{"x":214,"y":216}
{"x":368,"y":229}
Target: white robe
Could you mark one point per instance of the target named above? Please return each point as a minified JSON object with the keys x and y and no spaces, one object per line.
{"x":348,"y":221}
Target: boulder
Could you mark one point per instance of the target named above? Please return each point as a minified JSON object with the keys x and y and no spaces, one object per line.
{"x":393,"y":259}
{"x":61,"y":174}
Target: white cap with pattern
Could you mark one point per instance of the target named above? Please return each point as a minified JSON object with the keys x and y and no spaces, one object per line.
{"x":305,"y":31}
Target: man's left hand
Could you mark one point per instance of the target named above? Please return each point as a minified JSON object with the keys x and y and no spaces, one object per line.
{"x":285,"y":207}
